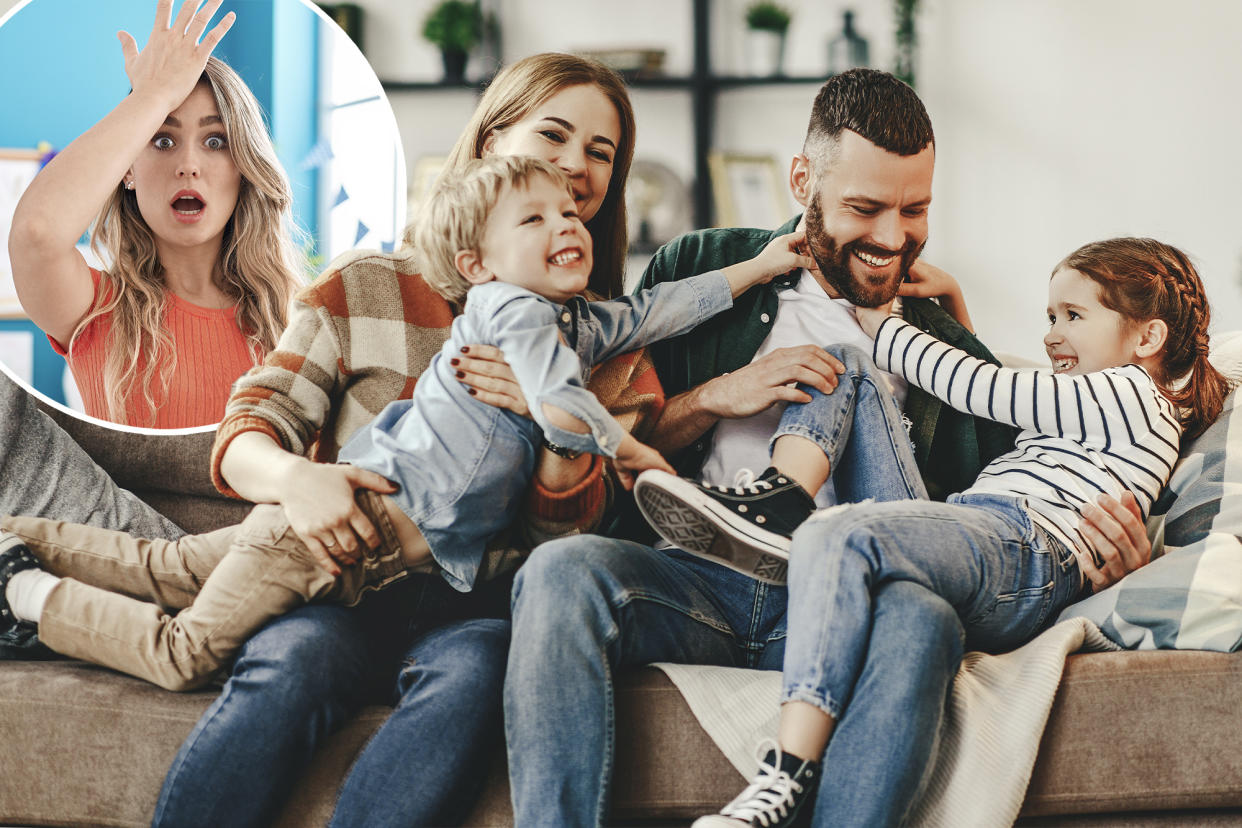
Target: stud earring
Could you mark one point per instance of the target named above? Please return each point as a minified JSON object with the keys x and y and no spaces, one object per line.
{"x":129,"y":185}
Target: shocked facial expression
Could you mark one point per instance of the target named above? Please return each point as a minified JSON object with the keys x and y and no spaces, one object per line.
{"x":1083,"y":335}
{"x":866,"y":217}
{"x":184,"y":179}
{"x":578,"y":130}
{"x":536,"y":240}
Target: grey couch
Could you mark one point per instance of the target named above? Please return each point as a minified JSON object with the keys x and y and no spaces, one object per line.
{"x":1134,"y":738}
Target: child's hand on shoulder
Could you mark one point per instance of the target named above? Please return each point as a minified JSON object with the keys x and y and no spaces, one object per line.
{"x":781,"y":255}
{"x":870,"y":319}
{"x":928,"y":281}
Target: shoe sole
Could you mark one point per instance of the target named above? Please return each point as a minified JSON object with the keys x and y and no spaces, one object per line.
{"x":689,"y":519}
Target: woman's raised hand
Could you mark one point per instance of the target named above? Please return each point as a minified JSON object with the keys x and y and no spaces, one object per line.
{"x":171,"y":63}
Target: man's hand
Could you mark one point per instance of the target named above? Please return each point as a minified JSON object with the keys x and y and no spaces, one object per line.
{"x":634,"y":457}
{"x":768,"y":380}
{"x":1115,"y":528}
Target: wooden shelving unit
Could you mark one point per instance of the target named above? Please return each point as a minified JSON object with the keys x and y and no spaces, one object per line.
{"x":702,"y":86}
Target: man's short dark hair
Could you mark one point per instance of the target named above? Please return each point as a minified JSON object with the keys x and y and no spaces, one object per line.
{"x":876,"y":105}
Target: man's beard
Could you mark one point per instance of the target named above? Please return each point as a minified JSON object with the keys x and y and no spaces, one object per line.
{"x":834,"y":262}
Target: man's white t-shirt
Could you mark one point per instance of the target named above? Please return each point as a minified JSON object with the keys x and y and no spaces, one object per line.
{"x":805,"y":315}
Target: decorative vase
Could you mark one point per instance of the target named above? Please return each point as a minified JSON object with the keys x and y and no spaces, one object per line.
{"x":765,"y":52}
{"x":454,"y":65}
{"x":848,"y":49}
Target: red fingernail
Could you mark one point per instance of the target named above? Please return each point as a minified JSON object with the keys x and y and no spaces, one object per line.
{"x":465,"y":349}
{"x":461,"y":374}
{"x":471,"y":392}
{"x":454,"y":361}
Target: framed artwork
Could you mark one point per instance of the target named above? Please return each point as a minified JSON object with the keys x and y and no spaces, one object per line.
{"x":749,"y":191}
{"x":426,"y":170}
{"x":17,"y":170}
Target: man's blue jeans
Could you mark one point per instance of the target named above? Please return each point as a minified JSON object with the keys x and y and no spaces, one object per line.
{"x":587,"y":607}
{"x":429,"y":651}
{"x":860,"y":431}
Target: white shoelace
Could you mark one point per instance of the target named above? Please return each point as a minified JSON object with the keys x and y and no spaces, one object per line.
{"x":769,"y":798}
{"x":744,"y":483}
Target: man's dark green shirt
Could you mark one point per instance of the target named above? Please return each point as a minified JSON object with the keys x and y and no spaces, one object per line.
{"x":951,"y":447}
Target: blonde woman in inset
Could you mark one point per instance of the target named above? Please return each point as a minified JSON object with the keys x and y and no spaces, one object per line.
{"x":190,"y":212}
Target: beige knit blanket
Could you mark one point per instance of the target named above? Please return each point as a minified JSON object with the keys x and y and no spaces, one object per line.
{"x":996,"y":716}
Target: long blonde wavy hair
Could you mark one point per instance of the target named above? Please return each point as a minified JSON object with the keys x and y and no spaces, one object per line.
{"x":519,"y":88}
{"x":259,"y":261}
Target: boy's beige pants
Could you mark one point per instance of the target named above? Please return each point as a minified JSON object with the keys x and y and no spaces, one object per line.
{"x":149,"y":607}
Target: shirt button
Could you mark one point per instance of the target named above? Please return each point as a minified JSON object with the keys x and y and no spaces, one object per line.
{"x":764,"y":318}
{"x":565,"y":317}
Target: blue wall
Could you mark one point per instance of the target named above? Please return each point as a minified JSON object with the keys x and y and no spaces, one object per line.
{"x":63,"y":71}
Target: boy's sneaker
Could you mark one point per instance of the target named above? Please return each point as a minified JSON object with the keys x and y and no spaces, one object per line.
{"x":18,"y":639}
{"x":746,"y":527}
{"x":774,"y":799}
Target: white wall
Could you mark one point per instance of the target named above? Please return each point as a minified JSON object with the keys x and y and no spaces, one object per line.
{"x":1058,"y":121}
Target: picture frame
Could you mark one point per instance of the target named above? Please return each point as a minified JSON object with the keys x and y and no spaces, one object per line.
{"x":748,"y":190}
{"x":17,"y":169}
{"x":422,"y":178}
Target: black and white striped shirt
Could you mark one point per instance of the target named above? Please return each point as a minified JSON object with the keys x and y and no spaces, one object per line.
{"x":1082,"y":436}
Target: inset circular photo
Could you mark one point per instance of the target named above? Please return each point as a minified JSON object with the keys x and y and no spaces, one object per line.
{"x":170,"y":176}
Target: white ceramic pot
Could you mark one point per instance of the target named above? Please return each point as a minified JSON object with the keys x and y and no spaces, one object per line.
{"x":765,"y":52}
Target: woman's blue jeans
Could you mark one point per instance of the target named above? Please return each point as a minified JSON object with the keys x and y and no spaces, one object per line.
{"x":420,"y":645}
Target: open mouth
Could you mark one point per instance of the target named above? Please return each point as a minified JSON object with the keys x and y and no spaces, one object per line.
{"x":872,"y":260}
{"x":1062,"y":364}
{"x":188,"y":204}
{"x":566,"y":257}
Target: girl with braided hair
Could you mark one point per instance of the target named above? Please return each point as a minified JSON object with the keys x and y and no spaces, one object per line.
{"x":1128,"y":343}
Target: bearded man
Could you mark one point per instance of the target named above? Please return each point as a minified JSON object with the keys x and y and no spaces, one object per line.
{"x":587,"y":606}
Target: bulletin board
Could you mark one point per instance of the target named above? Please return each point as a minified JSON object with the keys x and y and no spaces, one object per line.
{"x":17,"y":170}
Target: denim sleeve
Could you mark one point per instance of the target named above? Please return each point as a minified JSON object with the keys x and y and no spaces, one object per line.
{"x":666,"y":310}
{"x":549,"y":372}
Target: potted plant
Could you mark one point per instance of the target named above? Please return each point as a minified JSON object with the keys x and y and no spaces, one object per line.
{"x":455,"y":26}
{"x":767,"y":24}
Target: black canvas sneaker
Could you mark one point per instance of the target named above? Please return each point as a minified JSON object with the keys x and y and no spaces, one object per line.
{"x":774,"y":799}
{"x":18,"y":639}
{"x":745,"y":527}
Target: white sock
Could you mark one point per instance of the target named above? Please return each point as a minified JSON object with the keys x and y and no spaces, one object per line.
{"x":27,"y":593}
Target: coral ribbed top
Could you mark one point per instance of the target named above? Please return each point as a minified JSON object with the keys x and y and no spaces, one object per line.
{"x":211,"y":354}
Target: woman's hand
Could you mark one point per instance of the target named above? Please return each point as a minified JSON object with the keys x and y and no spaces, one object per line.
{"x":1115,"y":529}
{"x":930,"y":282}
{"x":483,"y":370}
{"x":169,"y":66}
{"x":321,"y":509}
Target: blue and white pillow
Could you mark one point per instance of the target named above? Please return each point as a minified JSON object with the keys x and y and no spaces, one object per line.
{"x":1190,"y":597}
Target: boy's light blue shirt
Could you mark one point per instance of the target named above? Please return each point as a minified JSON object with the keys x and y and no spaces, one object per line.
{"x":463,"y":466}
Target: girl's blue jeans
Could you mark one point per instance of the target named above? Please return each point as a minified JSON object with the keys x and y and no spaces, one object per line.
{"x":1001,"y":574}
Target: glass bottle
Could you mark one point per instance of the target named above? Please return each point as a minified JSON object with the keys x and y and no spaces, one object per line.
{"x":848,"y":49}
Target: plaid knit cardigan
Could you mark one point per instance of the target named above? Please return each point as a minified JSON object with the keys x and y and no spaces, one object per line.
{"x":358,"y":338}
